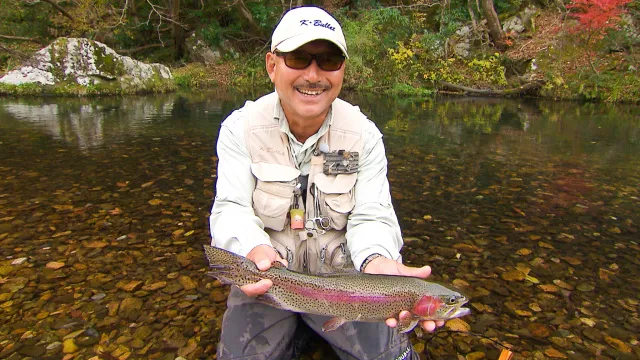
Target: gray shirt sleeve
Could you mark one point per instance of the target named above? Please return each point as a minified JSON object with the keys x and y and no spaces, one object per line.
{"x":233,"y":223}
{"x":373,"y":225}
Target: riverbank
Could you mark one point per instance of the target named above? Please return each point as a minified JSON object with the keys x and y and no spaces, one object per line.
{"x":548,"y":62}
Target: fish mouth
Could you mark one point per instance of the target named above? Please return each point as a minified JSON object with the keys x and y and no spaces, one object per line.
{"x":459,"y":312}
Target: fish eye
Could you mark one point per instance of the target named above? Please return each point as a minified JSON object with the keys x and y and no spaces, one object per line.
{"x":452,"y":299}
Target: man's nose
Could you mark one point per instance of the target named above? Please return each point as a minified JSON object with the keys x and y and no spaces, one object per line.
{"x":312,"y":72}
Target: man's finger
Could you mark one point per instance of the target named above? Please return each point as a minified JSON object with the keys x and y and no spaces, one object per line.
{"x":391,"y":322}
{"x":421,"y":272}
{"x":428,"y":325}
{"x":404,"y":314}
{"x":263,"y":264}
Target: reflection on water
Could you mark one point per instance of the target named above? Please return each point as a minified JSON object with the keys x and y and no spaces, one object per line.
{"x":88,"y":123}
{"x":529,"y":207}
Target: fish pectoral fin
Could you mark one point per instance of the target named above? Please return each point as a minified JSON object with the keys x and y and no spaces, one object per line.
{"x":333,"y":324}
{"x":271,"y":300}
{"x":407,"y":324}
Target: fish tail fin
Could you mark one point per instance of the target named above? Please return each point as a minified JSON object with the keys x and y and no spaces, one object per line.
{"x":230,"y":268}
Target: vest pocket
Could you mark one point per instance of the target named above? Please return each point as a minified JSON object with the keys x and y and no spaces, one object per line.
{"x":336,"y":197}
{"x":284,"y":244}
{"x":338,"y":256}
{"x":273,"y":195}
{"x":328,"y":253}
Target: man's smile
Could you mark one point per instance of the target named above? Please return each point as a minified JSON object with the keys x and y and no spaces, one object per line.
{"x":310,"y":92}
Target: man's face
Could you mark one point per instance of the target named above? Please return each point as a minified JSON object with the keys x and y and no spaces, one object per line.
{"x":306,"y":94}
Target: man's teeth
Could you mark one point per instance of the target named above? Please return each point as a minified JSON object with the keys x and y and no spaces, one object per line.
{"x":311,"y":92}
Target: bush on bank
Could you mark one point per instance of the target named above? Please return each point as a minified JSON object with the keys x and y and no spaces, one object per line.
{"x":394,"y":53}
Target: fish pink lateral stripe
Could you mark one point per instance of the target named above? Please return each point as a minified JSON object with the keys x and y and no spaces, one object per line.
{"x":339,"y":296}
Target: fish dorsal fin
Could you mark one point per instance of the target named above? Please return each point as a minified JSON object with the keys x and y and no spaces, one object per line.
{"x":325,"y":270}
{"x":278,"y":265}
{"x":269,"y":299}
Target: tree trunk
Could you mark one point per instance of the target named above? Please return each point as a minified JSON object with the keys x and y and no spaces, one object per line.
{"x":495,"y":29}
{"x":21,"y":38}
{"x":177,"y":30}
{"x":246,"y":13}
{"x":444,"y":5}
{"x":522,"y":89}
{"x":472,"y":13}
{"x":60,"y":9}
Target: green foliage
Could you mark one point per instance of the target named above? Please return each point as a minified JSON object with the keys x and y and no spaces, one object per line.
{"x":608,"y":87}
{"x":22,"y":21}
{"x":369,"y":35}
{"x":141,"y":23}
{"x":445,"y":70}
{"x":397,"y":50}
{"x":410,"y":91}
{"x":251,"y":75}
{"x":567,"y":73}
{"x":416,"y":63}
{"x":391,"y":24}
{"x":404,"y":56}
{"x":585,"y":85}
{"x":156,"y":85}
{"x":455,"y":16}
{"x":626,"y":38}
{"x":212,"y":34}
{"x":433,"y":44}
{"x":21,"y":90}
{"x":263,"y":14}
{"x":508,"y":7}
{"x":594,"y":20}
{"x":487,"y":70}
{"x":27,"y":21}
{"x":193,"y":76}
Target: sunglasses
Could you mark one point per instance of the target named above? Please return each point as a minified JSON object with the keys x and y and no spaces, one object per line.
{"x":300,"y":60}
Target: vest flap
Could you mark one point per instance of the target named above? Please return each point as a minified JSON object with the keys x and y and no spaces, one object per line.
{"x":338,"y":184}
{"x":274,"y":172}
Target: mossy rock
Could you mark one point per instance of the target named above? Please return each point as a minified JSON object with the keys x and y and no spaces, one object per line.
{"x":78,"y":66}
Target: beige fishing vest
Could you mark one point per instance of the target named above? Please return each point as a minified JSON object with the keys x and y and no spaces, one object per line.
{"x":277,"y":177}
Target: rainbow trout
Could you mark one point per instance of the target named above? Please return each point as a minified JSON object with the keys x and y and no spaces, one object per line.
{"x":343,"y":296}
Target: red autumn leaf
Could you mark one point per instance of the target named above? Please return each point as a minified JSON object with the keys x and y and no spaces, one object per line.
{"x":597,"y":15}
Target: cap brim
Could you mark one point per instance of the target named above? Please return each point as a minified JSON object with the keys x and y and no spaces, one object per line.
{"x":296,"y":41}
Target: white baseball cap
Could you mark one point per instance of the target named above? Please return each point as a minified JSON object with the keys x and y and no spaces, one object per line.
{"x":305,"y":24}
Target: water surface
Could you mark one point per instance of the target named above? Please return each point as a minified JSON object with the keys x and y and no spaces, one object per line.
{"x":529,"y":207}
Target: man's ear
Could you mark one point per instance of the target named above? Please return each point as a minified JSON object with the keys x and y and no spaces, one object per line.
{"x":270,"y":62}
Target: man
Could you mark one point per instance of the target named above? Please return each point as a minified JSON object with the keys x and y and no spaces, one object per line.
{"x":302,"y":180}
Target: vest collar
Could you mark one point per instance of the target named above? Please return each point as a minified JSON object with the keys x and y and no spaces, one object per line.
{"x":280,"y":117}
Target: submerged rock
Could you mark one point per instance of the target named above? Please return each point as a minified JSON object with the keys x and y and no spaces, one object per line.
{"x":83,"y":66}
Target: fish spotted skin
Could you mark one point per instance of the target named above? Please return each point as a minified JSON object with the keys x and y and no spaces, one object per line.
{"x":344,"y":296}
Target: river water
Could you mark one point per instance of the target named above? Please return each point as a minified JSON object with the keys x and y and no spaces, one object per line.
{"x":529,"y":207}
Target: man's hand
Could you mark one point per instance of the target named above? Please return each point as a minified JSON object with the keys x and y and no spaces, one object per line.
{"x":385,"y":266}
{"x":262,"y":256}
